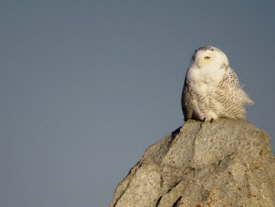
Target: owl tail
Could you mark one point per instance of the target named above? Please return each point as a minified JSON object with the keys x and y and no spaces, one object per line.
{"x":246,"y":99}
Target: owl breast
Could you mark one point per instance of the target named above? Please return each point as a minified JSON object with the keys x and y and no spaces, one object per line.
{"x":204,"y":77}
{"x":203,"y":104}
{"x":200,"y":102}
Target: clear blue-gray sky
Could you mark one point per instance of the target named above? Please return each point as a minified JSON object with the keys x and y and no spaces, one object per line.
{"x":87,"y":86}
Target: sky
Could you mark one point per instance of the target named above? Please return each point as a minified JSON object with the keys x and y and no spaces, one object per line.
{"x":87,"y":86}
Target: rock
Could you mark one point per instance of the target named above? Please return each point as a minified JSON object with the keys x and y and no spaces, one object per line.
{"x":224,"y":163}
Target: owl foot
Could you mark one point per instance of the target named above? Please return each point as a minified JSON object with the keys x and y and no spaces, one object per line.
{"x":210,"y":120}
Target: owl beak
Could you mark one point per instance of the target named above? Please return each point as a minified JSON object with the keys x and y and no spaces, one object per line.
{"x":198,"y":63}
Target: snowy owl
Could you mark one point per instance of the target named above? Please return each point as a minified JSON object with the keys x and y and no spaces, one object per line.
{"x":212,"y":89}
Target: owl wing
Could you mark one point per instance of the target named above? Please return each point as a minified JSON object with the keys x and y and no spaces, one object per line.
{"x":187,"y":102}
{"x":233,"y":80}
{"x":232,"y":96}
{"x":231,"y":77}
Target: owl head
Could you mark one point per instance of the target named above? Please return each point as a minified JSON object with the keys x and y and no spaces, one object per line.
{"x":209,"y":56}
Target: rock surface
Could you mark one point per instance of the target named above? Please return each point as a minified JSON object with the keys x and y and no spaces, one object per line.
{"x":224,"y":163}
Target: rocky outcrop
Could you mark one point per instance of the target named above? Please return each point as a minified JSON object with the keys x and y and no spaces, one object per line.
{"x":224,"y":163}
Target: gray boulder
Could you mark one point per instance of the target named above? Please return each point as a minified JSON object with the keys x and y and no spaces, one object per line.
{"x":224,"y":163}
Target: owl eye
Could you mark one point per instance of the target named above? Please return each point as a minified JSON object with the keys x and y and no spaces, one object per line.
{"x":206,"y":57}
